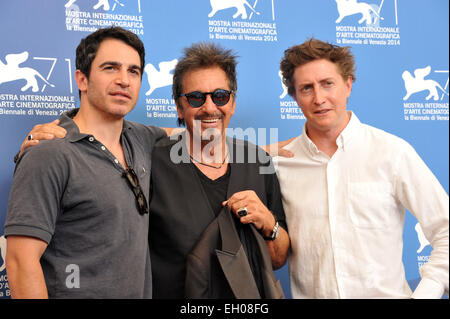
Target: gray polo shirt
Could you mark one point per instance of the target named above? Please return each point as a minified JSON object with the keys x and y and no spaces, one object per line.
{"x":71,"y":193}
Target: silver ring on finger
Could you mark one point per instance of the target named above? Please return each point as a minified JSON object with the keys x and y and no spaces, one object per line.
{"x":30,"y":137}
{"x":242,"y":212}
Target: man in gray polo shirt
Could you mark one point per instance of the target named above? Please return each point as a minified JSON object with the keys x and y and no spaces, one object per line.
{"x":77,"y":219}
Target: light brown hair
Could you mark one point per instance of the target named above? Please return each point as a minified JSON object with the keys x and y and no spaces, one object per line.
{"x":312,"y":50}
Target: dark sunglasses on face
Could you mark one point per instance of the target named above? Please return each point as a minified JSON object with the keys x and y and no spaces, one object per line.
{"x":219,"y":97}
{"x":133,"y":181}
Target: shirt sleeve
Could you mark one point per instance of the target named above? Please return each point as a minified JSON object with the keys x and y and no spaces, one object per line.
{"x":35,"y":196}
{"x":420,"y":192}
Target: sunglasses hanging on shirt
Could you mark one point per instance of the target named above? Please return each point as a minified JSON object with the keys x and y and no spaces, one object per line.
{"x":133,"y":181}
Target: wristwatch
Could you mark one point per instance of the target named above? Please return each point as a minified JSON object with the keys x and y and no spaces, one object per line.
{"x":274,"y":234}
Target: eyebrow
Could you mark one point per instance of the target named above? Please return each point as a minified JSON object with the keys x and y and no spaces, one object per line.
{"x":114,"y":63}
{"x":321,"y":80}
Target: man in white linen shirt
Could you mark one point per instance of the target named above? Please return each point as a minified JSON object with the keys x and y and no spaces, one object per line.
{"x":346,"y":189}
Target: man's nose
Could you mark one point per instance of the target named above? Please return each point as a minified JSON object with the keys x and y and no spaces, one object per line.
{"x":319,"y":96}
{"x":123,"y":78}
{"x":209,"y":105}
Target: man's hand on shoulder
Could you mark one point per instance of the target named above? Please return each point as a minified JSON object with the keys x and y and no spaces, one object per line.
{"x":276,"y":149}
{"x":47,"y":131}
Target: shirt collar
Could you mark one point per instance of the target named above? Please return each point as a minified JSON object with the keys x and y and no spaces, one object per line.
{"x":73,"y":132}
{"x":342,"y":141}
{"x":308,"y":143}
{"x":350,"y":131}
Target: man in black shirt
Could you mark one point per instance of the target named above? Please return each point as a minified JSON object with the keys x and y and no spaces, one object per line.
{"x":199,"y":172}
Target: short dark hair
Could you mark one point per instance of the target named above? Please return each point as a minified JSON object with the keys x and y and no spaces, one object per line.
{"x":88,"y":47}
{"x":200,"y":56}
{"x":311,"y":50}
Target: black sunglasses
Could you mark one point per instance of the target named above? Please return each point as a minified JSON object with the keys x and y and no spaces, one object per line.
{"x":133,"y":181}
{"x":219,"y":97}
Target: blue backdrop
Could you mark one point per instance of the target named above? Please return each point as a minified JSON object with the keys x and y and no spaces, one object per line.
{"x":399,"y":46}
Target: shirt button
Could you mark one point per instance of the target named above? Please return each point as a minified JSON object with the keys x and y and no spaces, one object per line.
{"x":116,"y":161}
{"x":103,"y":148}
{"x":91,"y":139}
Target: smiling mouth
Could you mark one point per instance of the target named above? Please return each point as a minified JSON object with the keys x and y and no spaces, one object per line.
{"x":210,"y":121}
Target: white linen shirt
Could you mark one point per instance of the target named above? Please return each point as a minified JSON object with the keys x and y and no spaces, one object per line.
{"x":346,"y":214}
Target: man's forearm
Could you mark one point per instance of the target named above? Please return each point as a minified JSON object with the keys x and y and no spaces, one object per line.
{"x":278,"y":249}
{"x":26,"y":279}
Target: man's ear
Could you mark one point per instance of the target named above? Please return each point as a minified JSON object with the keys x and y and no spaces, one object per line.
{"x":179,"y":110}
{"x":234,"y":103}
{"x":82,"y":80}
{"x":349,"y":84}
